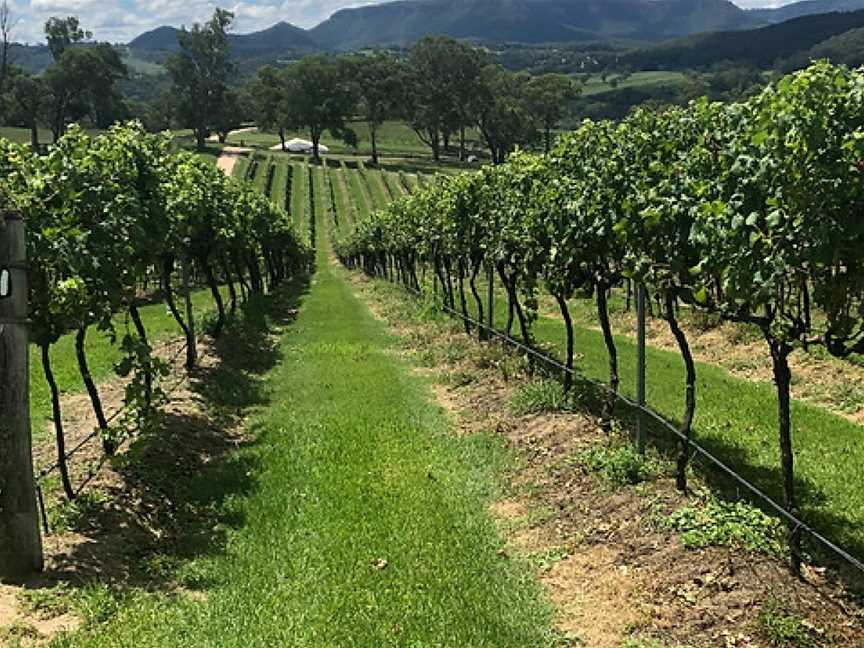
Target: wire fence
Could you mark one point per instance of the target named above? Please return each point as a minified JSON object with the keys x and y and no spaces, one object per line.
{"x":796,"y":524}
{"x":95,"y":434}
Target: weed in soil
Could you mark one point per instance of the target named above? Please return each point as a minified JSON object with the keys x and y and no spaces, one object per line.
{"x":538,"y":397}
{"x":710,"y":522}
{"x":783,"y":628}
{"x":619,"y":465}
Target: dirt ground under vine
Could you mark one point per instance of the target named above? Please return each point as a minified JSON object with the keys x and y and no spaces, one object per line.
{"x":611,"y":571}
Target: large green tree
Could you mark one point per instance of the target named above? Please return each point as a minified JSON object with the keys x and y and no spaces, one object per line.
{"x":231,"y":113}
{"x":268,"y":99}
{"x":321,"y":98}
{"x":550,"y":98}
{"x":60,"y":33}
{"x":379,"y":81}
{"x":444,"y":84}
{"x":199,"y":72}
{"x":83,"y":83}
{"x":23,"y":102}
{"x":504,"y":116}
{"x":5,"y":42}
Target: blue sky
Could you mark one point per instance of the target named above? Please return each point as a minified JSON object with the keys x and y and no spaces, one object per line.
{"x":121,"y":20}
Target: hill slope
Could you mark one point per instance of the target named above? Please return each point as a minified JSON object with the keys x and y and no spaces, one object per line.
{"x":529,"y":21}
{"x":278,"y":38}
{"x":806,"y":8}
{"x":758,"y":47}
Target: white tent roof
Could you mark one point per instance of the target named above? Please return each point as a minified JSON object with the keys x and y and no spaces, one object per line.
{"x":297,"y":145}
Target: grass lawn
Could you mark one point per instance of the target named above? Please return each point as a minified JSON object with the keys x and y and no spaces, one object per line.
{"x":22,"y":135}
{"x":299,"y":198}
{"x":364,"y":521}
{"x":280,"y":180}
{"x":359,"y":193}
{"x":260,"y":179}
{"x":375,"y":188}
{"x":321,"y":203}
{"x":394,"y":139}
{"x":597,"y":86}
{"x":347,"y":213}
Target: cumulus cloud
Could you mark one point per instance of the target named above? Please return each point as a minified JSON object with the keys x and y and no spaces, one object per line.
{"x":122,"y":20}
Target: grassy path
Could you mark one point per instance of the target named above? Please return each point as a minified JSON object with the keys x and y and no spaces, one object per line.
{"x":368,"y":523}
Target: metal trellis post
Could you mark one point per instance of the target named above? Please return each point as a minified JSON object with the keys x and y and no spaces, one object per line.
{"x":640,"y":369}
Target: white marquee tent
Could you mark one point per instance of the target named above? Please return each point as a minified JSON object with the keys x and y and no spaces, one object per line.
{"x":300,"y":146}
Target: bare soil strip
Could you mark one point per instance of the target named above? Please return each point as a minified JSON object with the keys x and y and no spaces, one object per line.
{"x":229,"y":157}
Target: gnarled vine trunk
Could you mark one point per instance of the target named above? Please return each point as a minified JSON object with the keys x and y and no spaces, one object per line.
{"x":689,"y":395}
{"x":108,"y":444}
{"x":780,"y":351}
{"x":217,"y":297}
{"x":463,"y":303}
{"x":568,"y":325}
{"x":611,"y":352}
{"x":482,"y":333}
{"x":56,"y":413}
{"x":135,"y":314}
{"x":167,"y":270}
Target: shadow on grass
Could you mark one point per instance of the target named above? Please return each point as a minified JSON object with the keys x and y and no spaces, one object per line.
{"x":173,"y":495}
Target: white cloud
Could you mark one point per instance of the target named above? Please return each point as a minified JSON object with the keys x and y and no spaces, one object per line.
{"x":123,"y":20}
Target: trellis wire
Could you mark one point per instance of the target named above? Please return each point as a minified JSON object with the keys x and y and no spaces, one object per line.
{"x":798,"y":524}
{"x":71,"y":453}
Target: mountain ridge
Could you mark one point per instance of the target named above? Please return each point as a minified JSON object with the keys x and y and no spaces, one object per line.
{"x":528,"y":21}
{"x":281,"y":36}
{"x":805,"y":8}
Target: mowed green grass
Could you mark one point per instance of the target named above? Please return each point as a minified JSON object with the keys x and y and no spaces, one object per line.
{"x":596,"y":85}
{"x":300,"y":196}
{"x":22,"y":135}
{"x":394,"y":138}
{"x":367,"y":524}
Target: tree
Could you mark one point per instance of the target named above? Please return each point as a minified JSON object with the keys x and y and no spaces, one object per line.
{"x":63,"y":32}
{"x":503,"y":116}
{"x":157,"y":115}
{"x":23,"y":103}
{"x":321,"y":98}
{"x":549,"y":99}
{"x":379,"y":82}
{"x":230,"y":115}
{"x":199,"y":72}
{"x":5,"y":42}
{"x":268,"y":94}
{"x":83,"y":82}
{"x":438,"y":94}
{"x":466,"y":65}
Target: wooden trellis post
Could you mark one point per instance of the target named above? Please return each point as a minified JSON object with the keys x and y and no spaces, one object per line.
{"x":20,"y":542}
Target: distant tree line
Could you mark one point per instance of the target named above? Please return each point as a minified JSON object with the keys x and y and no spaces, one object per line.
{"x":443,"y":88}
